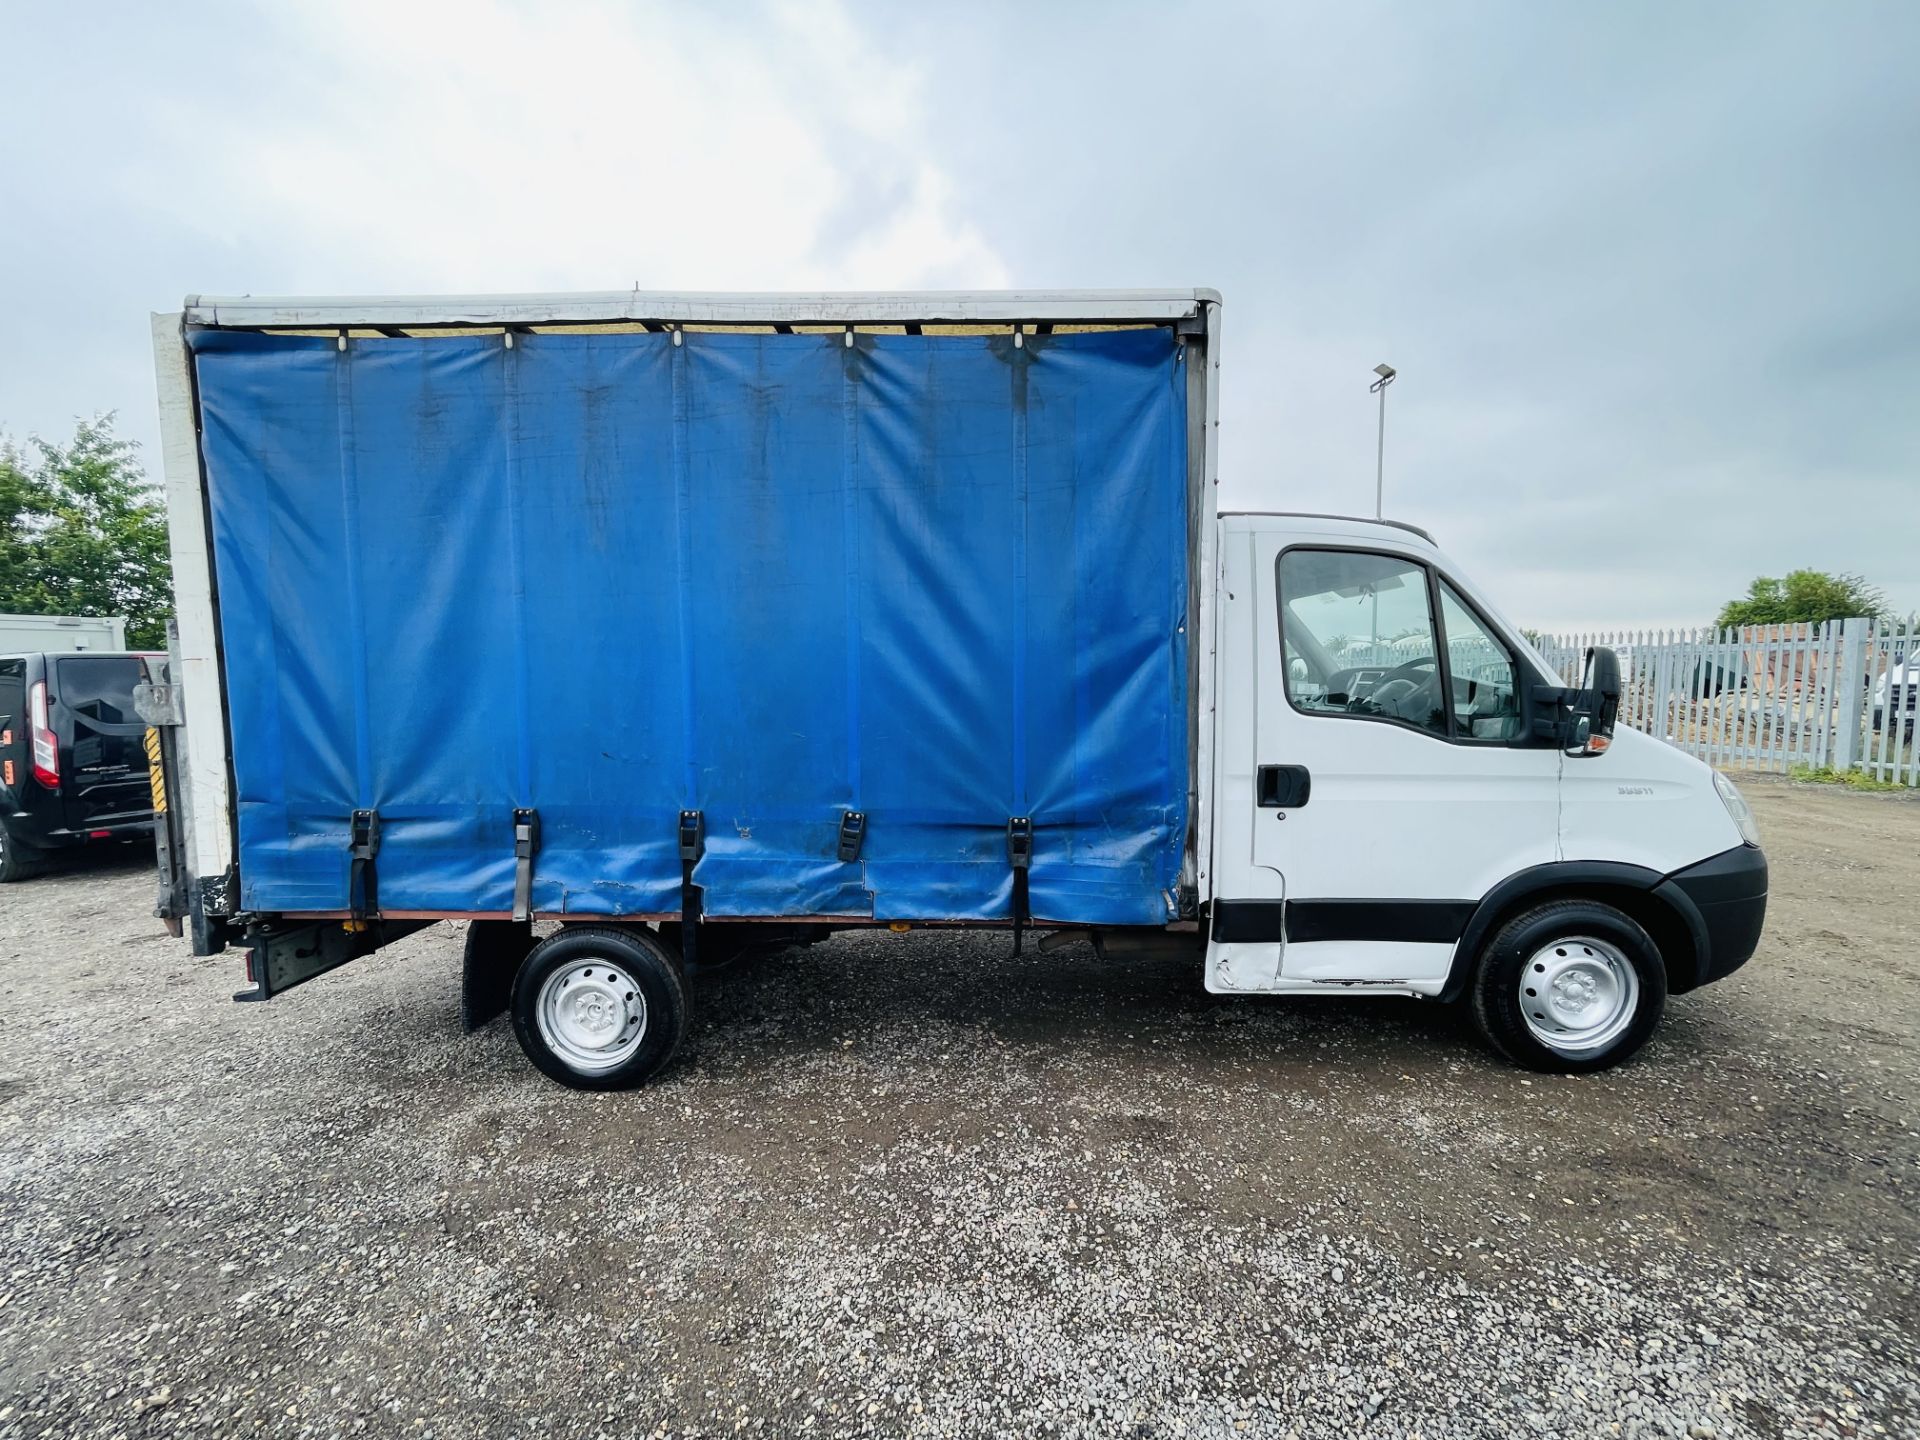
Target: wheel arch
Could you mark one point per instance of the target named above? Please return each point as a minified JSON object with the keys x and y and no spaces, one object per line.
{"x":1663,"y":910}
{"x":494,"y":952}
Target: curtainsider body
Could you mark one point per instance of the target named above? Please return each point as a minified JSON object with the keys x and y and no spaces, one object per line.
{"x":684,"y":625}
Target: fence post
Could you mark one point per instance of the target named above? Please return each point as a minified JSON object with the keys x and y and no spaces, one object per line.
{"x":1850,"y":678}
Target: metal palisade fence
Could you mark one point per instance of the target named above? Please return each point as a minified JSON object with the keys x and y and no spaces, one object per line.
{"x":1769,"y":697}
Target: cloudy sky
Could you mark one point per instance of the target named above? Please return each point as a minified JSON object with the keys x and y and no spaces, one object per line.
{"x":1648,"y":271}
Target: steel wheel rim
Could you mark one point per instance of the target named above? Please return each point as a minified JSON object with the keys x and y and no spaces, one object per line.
{"x":1578,"y":995}
{"x":592,"y":1014}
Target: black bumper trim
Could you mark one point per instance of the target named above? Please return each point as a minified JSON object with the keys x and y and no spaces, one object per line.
{"x":70,"y":837}
{"x":1299,"y":922}
{"x":1724,"y":899}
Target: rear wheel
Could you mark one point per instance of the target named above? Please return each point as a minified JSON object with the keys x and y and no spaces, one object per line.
{"x":1571,"y":987}
{"x":600,"y":1008}
{"x":17,"y":862}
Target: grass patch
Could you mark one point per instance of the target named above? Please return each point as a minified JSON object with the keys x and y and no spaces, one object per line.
{"x":1851,"y":779}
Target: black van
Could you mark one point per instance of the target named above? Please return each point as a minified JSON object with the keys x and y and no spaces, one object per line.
{"x":73,"y":760}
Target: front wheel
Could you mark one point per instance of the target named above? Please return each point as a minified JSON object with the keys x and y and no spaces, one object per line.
{"x":1569,"y":987}
{"x":600,"y":1008}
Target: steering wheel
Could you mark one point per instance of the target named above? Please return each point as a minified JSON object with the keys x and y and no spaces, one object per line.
{"x":1393,"y":690}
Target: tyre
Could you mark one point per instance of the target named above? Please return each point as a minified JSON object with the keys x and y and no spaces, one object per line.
{"x":600,"y":1008}
{"x":1569,"y":987}
{"x":16,"y":861}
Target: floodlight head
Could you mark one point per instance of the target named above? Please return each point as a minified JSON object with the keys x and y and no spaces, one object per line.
{"x":1385,"y":372}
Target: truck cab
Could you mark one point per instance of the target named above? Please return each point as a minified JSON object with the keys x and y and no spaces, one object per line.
{"x":73,"y":767}
{"x":1408,"y":801}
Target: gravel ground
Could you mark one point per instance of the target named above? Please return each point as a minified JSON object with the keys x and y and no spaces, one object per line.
{"x":909,"y":1185}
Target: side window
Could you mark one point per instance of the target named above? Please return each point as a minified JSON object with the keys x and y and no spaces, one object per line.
{"x":1359,"y":638}
{"x":99,"y":687}
{"x":1484,"y":703}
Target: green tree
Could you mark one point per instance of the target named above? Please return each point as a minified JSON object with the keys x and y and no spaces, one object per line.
{"x":20,"y":502}
{"x":82,"y":532}
{"x":1802,"y":596}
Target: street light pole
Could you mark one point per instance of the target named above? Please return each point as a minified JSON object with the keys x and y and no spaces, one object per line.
{"x":1379,"y":387}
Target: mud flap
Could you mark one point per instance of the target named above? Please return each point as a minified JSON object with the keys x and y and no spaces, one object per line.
{"x":492,"y":958}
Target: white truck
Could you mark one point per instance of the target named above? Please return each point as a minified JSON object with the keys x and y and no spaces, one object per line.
{"x":60,"y":634}
{"x":688,"y":624}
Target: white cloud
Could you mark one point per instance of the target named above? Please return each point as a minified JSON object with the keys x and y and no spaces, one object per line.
{"x":1644,"y":281}
{"x":487,"y":146}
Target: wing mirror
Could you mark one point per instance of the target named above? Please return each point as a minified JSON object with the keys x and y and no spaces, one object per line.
{"x":1580,"y":721}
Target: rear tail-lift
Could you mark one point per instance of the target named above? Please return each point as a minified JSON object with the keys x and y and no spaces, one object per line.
{"x":185,"y":904}
{"x":156,"y":703}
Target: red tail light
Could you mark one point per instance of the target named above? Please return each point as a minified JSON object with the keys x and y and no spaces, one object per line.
{"x":46,"y":745}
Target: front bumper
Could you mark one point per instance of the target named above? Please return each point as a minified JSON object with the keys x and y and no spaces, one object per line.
{"x":1724,"y":901}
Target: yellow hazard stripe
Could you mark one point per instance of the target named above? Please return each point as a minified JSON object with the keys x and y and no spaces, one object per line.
{"x":156,"y":775}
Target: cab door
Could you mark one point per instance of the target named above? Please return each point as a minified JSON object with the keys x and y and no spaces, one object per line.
{"x":1374,"y":778}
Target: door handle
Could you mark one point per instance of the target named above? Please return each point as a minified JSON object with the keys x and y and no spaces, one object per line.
{"x":1283,"y":787}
